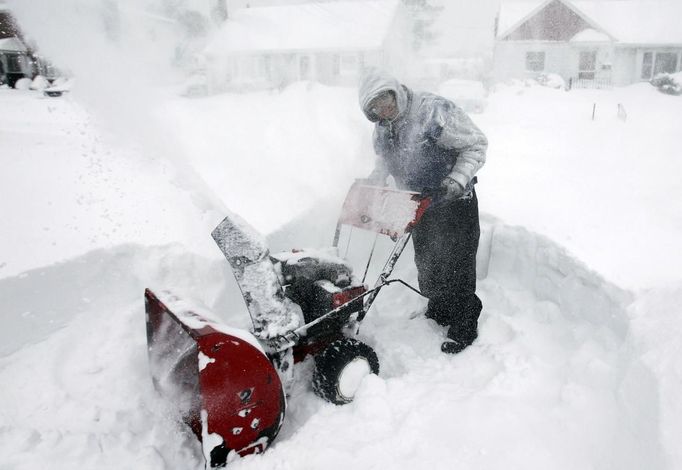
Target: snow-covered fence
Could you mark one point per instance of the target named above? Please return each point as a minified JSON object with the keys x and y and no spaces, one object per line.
{"x":598,"y":83}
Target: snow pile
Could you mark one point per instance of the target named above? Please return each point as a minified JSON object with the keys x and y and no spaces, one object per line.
{"x":23,"y":84}
{"x":551,"y":80}
{"x":39,"y":83}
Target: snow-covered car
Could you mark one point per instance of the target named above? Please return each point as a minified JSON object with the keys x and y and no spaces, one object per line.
{"x":470,"y":95}
{"x":59,"y":86}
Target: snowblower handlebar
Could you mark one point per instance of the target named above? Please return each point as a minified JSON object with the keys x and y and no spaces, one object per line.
{"x":382,"y":210}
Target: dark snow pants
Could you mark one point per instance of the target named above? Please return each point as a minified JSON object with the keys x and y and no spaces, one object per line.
{"x":445,"y":244}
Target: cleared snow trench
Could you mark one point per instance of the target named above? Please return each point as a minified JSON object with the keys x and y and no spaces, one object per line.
{"x":553,"y":381}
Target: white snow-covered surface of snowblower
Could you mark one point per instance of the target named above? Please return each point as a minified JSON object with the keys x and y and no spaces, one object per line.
{"x":272,"y":313}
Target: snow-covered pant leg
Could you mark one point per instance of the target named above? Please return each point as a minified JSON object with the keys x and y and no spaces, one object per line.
{"x":445,"y":245}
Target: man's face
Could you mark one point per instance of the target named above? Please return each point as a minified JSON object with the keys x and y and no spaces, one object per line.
{"x":384,"y":107}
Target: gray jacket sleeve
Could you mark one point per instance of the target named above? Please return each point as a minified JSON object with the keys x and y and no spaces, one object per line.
{"x":380,"y":172}
{"x":460,"y":133}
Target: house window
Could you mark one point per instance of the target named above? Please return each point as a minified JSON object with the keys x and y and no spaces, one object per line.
{"x":647,"y":65}
{"x":304,"y":67}
{"x":348,"y":64}
{"x":336,"y":59}
{"x":660,"y":62}
{"x":264,"y":65}
{"x":587,"y":65}
{"x":13,"y":63}
{"x":535,"y":61}
{"x":666,"y":62}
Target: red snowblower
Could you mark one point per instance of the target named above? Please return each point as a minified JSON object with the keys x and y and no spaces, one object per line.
{"x":230,"y":385}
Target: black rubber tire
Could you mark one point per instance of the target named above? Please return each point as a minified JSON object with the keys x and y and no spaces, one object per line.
{"x":330,"y":363}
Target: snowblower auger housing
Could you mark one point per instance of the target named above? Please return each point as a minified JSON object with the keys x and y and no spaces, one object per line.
{"x":224,"y":386}
{"x":229,"y":384}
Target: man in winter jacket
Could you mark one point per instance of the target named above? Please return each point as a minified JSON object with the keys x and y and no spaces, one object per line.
{"x":428,"y":144}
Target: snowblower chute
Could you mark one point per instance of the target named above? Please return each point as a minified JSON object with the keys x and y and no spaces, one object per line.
{"x":230,"y":384}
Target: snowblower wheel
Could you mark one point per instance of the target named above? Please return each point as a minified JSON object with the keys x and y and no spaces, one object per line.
{"x":340,"y":368}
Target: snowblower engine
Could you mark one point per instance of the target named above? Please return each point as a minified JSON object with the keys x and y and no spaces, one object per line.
{"x":319,"y":281}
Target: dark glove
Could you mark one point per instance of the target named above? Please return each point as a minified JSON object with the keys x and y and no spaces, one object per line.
{"x":453,"y":189}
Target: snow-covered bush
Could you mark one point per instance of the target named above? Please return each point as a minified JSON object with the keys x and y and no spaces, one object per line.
{"x":668,"y":83}
{"x":196,"y":85}
{"x":551,"y":80}
{"x":23,"y":84}
{"x":60,"y":82}
{"x":39,"y":83}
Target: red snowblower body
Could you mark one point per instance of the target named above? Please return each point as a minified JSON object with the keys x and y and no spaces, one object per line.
{"x":230,"y":385}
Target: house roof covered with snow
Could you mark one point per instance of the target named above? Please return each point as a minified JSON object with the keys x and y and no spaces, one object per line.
{"x":590,"y":35}
{"x":512,"y":14}
{"x":343,"y":25}
{"x":637,"y":21}
{"x":650,"y":22}
{"x":12,"y":45}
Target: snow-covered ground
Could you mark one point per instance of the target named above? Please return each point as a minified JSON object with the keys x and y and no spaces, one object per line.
{"x":577,"y":364}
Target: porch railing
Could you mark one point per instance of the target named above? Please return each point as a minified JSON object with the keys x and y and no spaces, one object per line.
{"x":592,"y":83}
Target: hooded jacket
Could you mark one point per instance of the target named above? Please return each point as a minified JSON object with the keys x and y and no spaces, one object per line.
{"x":431,"y":138}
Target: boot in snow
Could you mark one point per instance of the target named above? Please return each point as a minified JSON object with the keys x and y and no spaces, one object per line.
{"x":457,"y":342}
{"x":453,"y":347}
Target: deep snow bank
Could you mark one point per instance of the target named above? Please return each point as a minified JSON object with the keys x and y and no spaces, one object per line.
{"x":553,"y":380}
{"x":78,"y":393}
{"x":39,"y":302}
{"x":656,"y":320}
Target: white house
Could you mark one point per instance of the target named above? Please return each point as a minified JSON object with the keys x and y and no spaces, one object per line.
{"x":330,"y":42}
{"x":589,"y":43}
{"x":14,"y":61}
